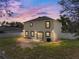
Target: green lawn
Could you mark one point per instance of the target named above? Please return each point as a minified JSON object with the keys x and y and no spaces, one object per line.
{"x":7,"y":41}
{"x":67,"y":49}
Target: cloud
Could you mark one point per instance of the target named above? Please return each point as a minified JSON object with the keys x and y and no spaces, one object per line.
{"x":14,"y":6}
{"x":47,"y":10}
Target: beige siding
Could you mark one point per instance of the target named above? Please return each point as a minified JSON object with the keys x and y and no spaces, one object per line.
{"x":40,"y":26}
{"x":55,"y":28}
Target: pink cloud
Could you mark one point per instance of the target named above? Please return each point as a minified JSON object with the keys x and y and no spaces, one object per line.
{"x":14,"y":6}
{"x":51,"y":10}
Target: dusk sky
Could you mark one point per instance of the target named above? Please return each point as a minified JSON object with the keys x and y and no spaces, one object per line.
{"x":35,"y":8}
{"x":36,"y":3}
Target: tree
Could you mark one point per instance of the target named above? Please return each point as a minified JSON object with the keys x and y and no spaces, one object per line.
{"x":66,"y":24}
{"x":71,"y":10}
{"x":19,"y":25}
{"x":9,"y":7}
{"x":3,"y":23}
{"x":12,"y":24}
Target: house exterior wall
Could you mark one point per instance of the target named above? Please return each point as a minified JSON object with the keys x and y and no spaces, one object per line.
{"x":39,"y":26}
{"x":55,"y":29}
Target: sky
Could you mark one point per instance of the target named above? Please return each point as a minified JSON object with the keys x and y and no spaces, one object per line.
{"x":36,"y":3}
{"x":34,"y":8}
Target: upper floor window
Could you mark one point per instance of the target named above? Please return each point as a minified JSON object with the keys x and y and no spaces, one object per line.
{"x":31,"y":24}
{"x":47,"y":24}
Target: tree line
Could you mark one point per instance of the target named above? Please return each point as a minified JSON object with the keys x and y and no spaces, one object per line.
{"x":11,"y":24}
{"x":69,"y":15}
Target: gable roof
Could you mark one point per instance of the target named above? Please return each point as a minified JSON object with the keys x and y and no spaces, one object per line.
{"x":40,"y":18}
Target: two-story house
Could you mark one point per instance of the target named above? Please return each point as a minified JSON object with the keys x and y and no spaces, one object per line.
{"x":42,"y":28}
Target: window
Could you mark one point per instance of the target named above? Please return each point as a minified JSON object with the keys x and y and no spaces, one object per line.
{"x":31,"y":24}
{"x":32,"y":33}
{"x":47,"y":24}
{"x":26,"y":33}
{"x":47,"y":34}
{"x":40,"y":35}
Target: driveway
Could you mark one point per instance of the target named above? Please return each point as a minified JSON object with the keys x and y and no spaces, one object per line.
{"x":24,"y":42}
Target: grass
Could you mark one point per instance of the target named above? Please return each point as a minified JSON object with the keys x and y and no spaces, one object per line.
{"x":67,"y":49}
{"x":7,"y":41}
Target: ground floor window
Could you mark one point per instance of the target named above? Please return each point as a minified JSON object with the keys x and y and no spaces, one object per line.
{"x":32,"y":33}
{"x":47,"y":34}
{"x":40,"y":35}
{"x":26,"y":33}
